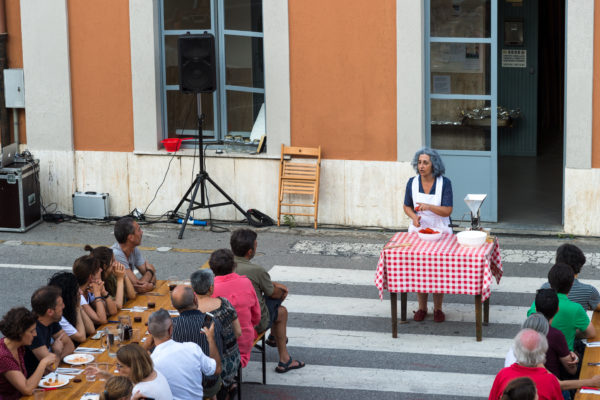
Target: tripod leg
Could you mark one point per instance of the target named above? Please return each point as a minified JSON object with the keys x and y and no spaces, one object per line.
{"x":226,"y":195}
{"x":183,"y":199}
{"x":191,"y":205}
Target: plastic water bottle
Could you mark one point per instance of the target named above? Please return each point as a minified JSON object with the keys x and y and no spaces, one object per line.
{"x":192,"y":221}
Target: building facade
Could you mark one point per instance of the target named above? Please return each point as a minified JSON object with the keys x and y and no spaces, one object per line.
{"x":370,"y":82}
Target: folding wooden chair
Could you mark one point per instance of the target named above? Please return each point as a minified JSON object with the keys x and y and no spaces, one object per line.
{"x":299,"y":178}
{"x":261,"y":349}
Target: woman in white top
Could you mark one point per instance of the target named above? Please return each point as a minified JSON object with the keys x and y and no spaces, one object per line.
{"x":428,"y":203}
{"x":135,"y":363}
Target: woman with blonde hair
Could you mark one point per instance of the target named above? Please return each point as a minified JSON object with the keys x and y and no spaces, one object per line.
{"x":135,"y":363}
{"x":117,"y":388}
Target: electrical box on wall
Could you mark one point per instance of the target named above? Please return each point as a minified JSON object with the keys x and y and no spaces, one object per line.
{"x":14,"y":88}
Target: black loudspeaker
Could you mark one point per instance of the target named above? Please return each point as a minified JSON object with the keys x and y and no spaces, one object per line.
{"x":197,"y":72}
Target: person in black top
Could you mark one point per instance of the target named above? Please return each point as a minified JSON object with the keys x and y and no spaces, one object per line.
{"x":48,"y":306}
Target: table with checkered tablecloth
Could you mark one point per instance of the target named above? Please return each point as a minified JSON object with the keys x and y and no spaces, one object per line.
{"x":409,"y":264}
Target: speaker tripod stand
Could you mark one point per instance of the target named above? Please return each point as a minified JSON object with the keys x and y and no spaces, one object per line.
{"x":199,"y":184}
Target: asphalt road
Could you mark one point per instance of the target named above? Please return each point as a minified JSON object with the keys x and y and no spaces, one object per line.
{"x":349,"y":352}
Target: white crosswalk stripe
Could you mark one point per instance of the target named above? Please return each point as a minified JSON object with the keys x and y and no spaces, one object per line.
{"x":382,"y":380}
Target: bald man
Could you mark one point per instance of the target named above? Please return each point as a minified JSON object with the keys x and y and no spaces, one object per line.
{"x":188,"y":328}
{"x":530,"y":351}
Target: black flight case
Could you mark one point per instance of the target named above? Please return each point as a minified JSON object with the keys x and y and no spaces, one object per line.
{"x":20,"y":204}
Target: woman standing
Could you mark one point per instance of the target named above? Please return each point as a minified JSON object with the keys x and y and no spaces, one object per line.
{"x":428,"y":203}
{"x":18,"y":328}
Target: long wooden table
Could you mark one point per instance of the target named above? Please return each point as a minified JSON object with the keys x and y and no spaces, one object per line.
{"x":75,"y":390}
{"x":592,"y":355}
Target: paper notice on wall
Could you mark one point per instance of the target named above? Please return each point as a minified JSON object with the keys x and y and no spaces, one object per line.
{"x":441,"y":84}
{"x":514,"y":58}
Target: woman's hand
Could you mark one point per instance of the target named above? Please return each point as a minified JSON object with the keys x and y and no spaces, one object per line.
{"x":49,"y":360}
{"x":416,"y":221}
{"x":118,"y":270}
{"x":96,"y":289}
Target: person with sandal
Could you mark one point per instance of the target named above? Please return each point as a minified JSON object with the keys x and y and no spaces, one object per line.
{"x":270,"y":296}
{"x":428,"y":203}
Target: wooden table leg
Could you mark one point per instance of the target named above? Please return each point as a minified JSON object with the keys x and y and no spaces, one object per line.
{"x":478,"y":329}
{"x":403,"y":299}
{"x":486,"y":312}
{"x":394,"y":302}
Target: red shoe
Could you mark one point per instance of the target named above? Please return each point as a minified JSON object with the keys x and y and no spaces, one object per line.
{"x":419,"y":315}
{"x":439,"y":316}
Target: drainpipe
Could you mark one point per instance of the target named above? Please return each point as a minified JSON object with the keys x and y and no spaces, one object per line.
{"x":4,"y":125}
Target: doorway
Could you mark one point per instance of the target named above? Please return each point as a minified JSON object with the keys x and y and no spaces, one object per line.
{"x":530,"y":156}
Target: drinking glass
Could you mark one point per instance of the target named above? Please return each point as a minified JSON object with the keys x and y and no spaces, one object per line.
{"x":113,"y":341}
{"x":39,"y":394}
{"x":91,"y":376}
{"x":102,"y":367}
{"x":173,"y":281}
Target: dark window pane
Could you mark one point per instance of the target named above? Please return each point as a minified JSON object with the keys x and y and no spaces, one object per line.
{"x":187,"y":14}
{"x":467,"y":18}
{"x":182,"y":114}
{"x":244,"y":61}
{"x":171,"y":60}
{"x":243,"y":15}
{"x":460,"y":68}
{"x":242,"y":113}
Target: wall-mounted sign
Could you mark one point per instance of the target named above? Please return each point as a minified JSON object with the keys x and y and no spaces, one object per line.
{"x":514,"y":58}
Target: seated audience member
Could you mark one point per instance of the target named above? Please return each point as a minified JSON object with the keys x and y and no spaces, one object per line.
{"x":571,"y":316}
{"x":117,"y":284}
{"x":183,"y":364}
{"x":135,"y":363}
{"x":240,"y":293}
{"x":18,"y":326}
{"x":520,"y":389}
{"x":75,"y":322}
{"x":129,"y":236}
{"x":188,"y":328}
{"x":47,"y":304}
{"x":530,"y":350}
{"x":270,"y":296}
{"x":203,"y":285}
{"x":580,"y":293}
{"x":538,"y":323}
{"x":95,"y":300}
{"x":558,"y":355}
{"x":117,"y":388}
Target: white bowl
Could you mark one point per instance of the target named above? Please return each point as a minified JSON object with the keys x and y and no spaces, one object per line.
{"x":471,"y":238}
{"x":429,"y":237}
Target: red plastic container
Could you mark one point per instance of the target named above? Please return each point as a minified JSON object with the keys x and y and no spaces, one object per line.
{"x":172,"y":144}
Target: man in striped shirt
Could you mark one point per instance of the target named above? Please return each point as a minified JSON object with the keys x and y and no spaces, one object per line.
{"x":188,"y":328}
{"x":581,"y":293}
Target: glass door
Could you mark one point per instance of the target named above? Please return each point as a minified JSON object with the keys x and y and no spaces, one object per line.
{"x":461,"y":95}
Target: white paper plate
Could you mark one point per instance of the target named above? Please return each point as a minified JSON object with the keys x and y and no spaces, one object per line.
{"x":63,"y":379}
{"x":78,"y":359}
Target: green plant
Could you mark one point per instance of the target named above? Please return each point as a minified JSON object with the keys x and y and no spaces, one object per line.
{"x":289,"y":220}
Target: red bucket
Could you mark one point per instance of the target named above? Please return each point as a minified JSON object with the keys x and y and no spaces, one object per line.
{"x":172,"y":144}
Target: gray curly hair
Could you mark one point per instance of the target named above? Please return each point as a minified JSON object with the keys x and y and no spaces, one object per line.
{"x":438,"y":167}
{"x":530,"y":348}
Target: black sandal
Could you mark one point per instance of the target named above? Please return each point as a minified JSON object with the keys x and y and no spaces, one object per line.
{"x":285,"y":367}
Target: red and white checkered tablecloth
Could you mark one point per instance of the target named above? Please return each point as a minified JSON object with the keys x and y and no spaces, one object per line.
{"x":437,"y":267}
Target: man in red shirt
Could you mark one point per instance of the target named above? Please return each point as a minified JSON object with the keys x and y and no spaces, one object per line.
{"x":530,"y":350}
